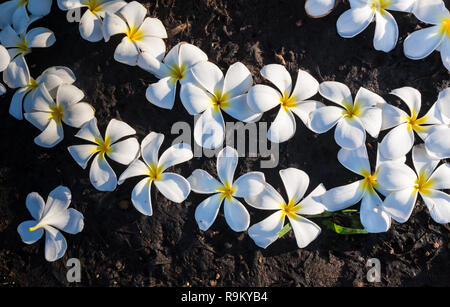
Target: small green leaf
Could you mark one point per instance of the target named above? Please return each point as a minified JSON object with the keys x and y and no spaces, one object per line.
{"x":284,"y":230}
{"x":343,"y":230}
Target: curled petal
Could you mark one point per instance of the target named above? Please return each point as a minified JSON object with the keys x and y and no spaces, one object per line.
{"x":386,"y":32}
{"x":90,"y":27}
{"x":141,"y":197}
{"x":40,"y":38}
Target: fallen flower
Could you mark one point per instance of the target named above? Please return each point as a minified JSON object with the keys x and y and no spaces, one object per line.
{"x":319,"y":8}
{"x":16,"y":12}
{"x":437,"y":143}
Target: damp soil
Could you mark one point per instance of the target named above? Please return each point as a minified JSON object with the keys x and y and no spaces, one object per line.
{"x":121,"y":247}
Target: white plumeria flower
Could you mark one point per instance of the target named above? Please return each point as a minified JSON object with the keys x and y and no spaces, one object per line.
{"x":399,"y":141}
{"x":404,"y":184}
{"x":15,"y":12}
{"x":437,"y":143}
{"x":173,"y":69}
{"x":92,"y":20}
{"x":51,"y":217}
{"x":143,"y":34}
{"x":291,"y":100}
{"x":173,"y":186}
{"x":373,"y":217}
{"x":48,"y":115}
{"x":296,"y":183}
{"x":353,"y":118}
{"x":4,"y":62}
{"x":319,"y":8}
{"x":213,"y":93}
{"x":125,"y":151}
{"x":18,"y":76}
{"x":422,"y":43}
{"x":363,"y":12}
{"x":236,"y":214}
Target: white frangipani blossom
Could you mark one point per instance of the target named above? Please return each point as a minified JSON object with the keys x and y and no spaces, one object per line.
{"x":173,"y":186}
{"x":18,"y":76}
{"x":352,"y":118}
{"x":363,"y":12}
{"x":48,"y":115}
{"x":20,"y":13}
{"x":4,"y":62}
{"x":373,"y":217}
{"x":399,"y":141}
{"x":249,"y":184}
{"x":437,"y":143}
{"x":404,"y":185}
{"x":296,"y":183}
{"x":210,"y":94}
{"x":422,"y":43}
{"x":92,"y":20}
{"x":125,"y":151}
{"x":51,"y":217}
{"x":291,"y":100}
{"x":143,"y":34}
{"x":319,"y":8}
{"x":173,"y":69}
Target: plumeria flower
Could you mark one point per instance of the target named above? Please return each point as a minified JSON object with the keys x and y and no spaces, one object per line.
{"x":319,"y":8}
{"x":404,"y":185}
{"x":15,"y":12}
{"x":399,"y":141}
{"x":51,"y":217}
{"x":143,"y":34}
{"x":363,"y":12}
{"x":92,"y":20}
{"x":173,"y":186}
{"x":48,"y":115}
{"x":18,"y":76}
{"x":247,"y":185}
{"x":125,"y":151}
{"x":291,"y":100}
{"x":173,"y":69}
{"x":437,"y":143}
{"x":420,"y":44}
{"x":213,"y":93}
{"x":296,"y":183}
{"x":4,"y":61}
{"x":373,"y":217}
{"x":352,"y":118}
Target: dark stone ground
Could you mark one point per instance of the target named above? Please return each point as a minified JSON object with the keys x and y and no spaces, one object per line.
{"x":119,"y":246}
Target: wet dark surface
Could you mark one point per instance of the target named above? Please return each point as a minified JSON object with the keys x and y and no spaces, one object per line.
{"x":119,"y":246}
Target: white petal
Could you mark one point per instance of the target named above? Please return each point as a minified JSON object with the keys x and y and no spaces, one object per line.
{"x":64,"y":73}
{"x":152,"y":45}
{"x":118,"y":129}
{"x":410,"y":96}
{"x":395,"y":176}
{"x":392,"y":116}
{"x":305,"y":231}
{"x":150,"y":147}
{"x":325,"y":118}
{"x":397,"y":143}
{"x":15,"y":108}
{"x":189,"y":55}
{"x":17,"y":73}
{"x":441,"y":177}
{"x":354,"y":21}
{"x":262,"y":98}
{"x":430,"y":11}
{"x":194,"y":99}
{"x":113,"y":24}
{"x":350,"y":133}
{"x":71,"y":222}
{"x":251,"y":183}
{"x":365,"y":98}
{"x":40,"y":38}
{"x":209,"y":76}
{"x":279,"y":76}
{"x":126,"y":52}
{"x":386,"y":32}
{"x":239,"y":109}
{"x":162,"y":93}
{"x":372,"y":119}
{"x":209,"y":129}
{"x":343,"y":197}
{"x":423,"y":163}
{"x":78,"y":114}
{"x":434,"y":116}
{"x":265,"y":232}
{"x":236,"y":215}
{"x":125,"y":152}
{"x":2,"y":89}
{"x":400,"y":204}
{"x":134,"y":13}
{"x":373,"y":218}
{"x":312,"y":204}
{"x":153,"y":27}
{"x":4,"y":58}
{"x":20,"y":19}
{"x":444,"y":102}
{"x":268,"y":199}
{"x":206,"y":212}
{"x":58,"y":201}
{"x":29,"y":237}
{"x":51,"y":135}
{"x":295,"y":182}
{"x":35,"y":205}
{"x":227,"y":160}
{"x":38,"y":119}
{"x":9,"y":37}
{"x":55,"y":244}
{"x":304,"y":110}
{"x":90,"y":27}
{"x":202,"y":182}
{"x":336,"y":92}
{"x":39,"y":7}
{"x":445,"y":53}
{"x":422,"y":43}
{"x":102,"y":175}
{"x":136,"y":168}
{"x":6,"y":12}
{"x":438,"y":143}
{"x":355,"y":160}
{"x":68,"y":94}
{"x":175,"y":154}
{"x":173,"y":186}
{"x":150,"y":63}
{"x":82,"y":153}
{"x":89,"y":131}
{"x":319,"y":8}
{"x":41,"y":100}
{"x":141,"y":197}
{"x":438,"y":204}
{"x":306,"y":86}
{"x":401,"y":5}
{"x":238,"y":80}
{"x":283,"y":127}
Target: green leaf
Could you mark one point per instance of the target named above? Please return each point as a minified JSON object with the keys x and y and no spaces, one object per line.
{"x":343,"y":230}
{"x":284,"y":230}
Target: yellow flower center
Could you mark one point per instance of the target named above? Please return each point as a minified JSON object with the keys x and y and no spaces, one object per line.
{"x":369,"y":181}
{"x":104,"y":146}
{"x":287,"y":101}
{"x":22,"y":2}
{"x":226,"y":191}
{"x":415,"y":123}
{"x":351,"y":110}
{"x":154,"y":172}
{"x":380,"y":5}
{"x":37,"y":226}
{"x":32,"y":85}
{"x":289,"y":209}
{"x":57,"y":113}
{"x":23,"y":46}
{"x":93,"y":6}
{"x":423,"y":184}
{"x":445,"y":27}
{"x":177,"y":72}
{"x":134,"y":34}
{"x":219,"y":100}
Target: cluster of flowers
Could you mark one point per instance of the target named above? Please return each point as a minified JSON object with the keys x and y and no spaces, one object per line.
{"x":418,"y":45}
{"x":52,"y":99}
